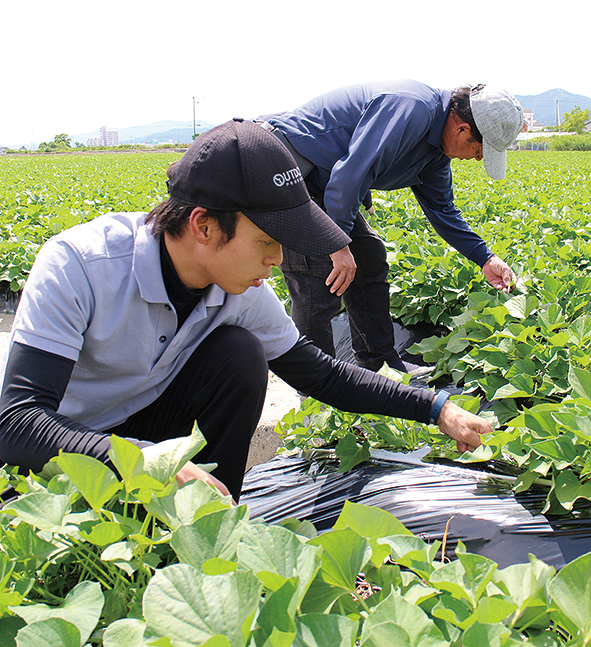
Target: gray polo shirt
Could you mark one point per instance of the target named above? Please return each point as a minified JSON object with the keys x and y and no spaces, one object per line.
{"x":96,"y":295}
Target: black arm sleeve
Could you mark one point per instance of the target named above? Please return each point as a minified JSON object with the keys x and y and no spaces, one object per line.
{"x":31,"y":430}
{"x":349,"y":387}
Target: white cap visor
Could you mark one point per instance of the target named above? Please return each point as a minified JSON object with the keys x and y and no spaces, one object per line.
{"x":495,"y":162}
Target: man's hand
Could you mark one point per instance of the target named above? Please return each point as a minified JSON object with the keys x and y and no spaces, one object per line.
{"x":499,"y":274}
{"x":464,"y":427}
{"x":343,"y":272}
{"x":192,"y":472}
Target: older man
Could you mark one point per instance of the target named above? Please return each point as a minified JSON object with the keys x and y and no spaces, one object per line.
{"x":386,"y":136}
{"x":141,"y":325}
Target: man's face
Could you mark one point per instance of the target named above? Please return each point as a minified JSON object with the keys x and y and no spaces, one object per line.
{"x":244,"y":261}
{"x":458,"y":143}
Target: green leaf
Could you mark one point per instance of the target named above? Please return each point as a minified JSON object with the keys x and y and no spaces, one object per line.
{"x":215,"y":641}
{"x":189,"y":608}
{"x":580,"y":425}
{"x":321,"y":630}
{"x":95,"y":481}
{"x":466,"y":577}
{"x":552,"y":317}
{"x":304,"y":528}
{"x":451,"y":610}
{"x":350,"y":453}
{"x":412,"y":552}
{"x":321,"y":596}
{"x":217,"y":566}
{"x":369,"y":521}
{"x":372,"y":523}
{"x":479,"y":455}
{"x":103,"y":533}
{"x":499,"y":313}
{"x":581,"y":329}
{"x":571,"y":591}
{"x":580,"y":380}
{"x":490,"y":635}
{"x":276,"y":555}
{"x":82,"y":607}
{"x":394,"y":621}
{"x":193,"y":499}
{"x":127,"y":632}
{"x":521,"y":386}
{"x":568,"y":489}
{"x":129,"y":461}
{"x":344,"y":556}
{"x":121,"y":551}
{"x":561,"y":450}
{"x":53,"y":632}
{"x":41,"y":509}
{"x":519,"y":306}
{"x":458,"y":342}
{"x":276,"y":619}
{"x":525,"y":584}
{"x":9,"y":627}
{"x":115,"y":607}
{"x":214,"y":535}
{"x":163,"y":460}
{"x":492,"y":610}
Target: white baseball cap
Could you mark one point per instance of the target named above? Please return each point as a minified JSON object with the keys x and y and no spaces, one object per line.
{"x":499,"y":118}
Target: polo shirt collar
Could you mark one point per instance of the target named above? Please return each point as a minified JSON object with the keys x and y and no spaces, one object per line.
{"x":441,"y":114}
{"x":147,"y":270}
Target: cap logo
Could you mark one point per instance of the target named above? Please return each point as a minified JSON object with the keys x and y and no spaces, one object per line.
{"x":287,"y":178}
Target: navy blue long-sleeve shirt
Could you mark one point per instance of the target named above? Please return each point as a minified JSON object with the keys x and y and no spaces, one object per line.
{"x":385,"y":136}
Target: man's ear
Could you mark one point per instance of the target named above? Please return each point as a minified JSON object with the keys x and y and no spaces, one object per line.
{"x":459,"y":126}
{"x":199,"y":225}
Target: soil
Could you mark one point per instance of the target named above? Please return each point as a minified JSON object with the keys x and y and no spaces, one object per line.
{"x":281,"y":398}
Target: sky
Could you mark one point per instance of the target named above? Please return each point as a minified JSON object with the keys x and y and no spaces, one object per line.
{"x":71,"y":67}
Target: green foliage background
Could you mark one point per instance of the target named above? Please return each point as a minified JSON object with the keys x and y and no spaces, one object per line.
{"x":43,"y":195}
{"x":91,"y":557}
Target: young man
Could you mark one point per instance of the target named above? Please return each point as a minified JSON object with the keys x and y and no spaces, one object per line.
{"x":386,"y":136}
{"x":138,"y":326}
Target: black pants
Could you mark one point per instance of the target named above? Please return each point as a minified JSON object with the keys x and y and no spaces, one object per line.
{"x":223,"y":388}
{"x":367,"y":299}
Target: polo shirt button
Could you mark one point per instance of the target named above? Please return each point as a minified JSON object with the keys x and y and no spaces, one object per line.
{"x":168,"y":307}
{"x":162,"y":338}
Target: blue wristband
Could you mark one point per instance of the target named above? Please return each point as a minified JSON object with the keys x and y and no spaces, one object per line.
{"x":438,"y":401}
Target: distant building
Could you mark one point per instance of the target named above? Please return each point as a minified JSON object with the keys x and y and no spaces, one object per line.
{"x":530,"y":121}
{"x":105,"y":138}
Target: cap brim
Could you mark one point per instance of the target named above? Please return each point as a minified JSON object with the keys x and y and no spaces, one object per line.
{"x":495,"y":162}
{"x":304,"y":229}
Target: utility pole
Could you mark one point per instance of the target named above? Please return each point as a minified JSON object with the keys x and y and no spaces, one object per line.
{"x":195,"y":100}
{"x":194,"y":131}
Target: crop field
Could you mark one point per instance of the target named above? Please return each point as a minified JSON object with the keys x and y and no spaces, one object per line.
{"x":42,"y":195}
{"x":126,"y":559}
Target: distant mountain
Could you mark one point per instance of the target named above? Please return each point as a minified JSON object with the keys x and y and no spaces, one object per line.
{"x":548,"y":105}
{"x":160,"y":132}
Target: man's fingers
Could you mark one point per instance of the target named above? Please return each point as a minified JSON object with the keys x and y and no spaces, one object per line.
{"x":472,"y":440}
{"x":339,"y":281}
{"x":463,"y":447}
{"x":464,"y":427}
{"x":335,"y":281}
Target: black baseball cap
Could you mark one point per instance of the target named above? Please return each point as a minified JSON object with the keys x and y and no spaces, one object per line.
{"x":240,"y":166}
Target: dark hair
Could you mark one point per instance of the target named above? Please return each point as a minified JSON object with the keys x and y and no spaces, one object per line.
{"x":171,"y":217}
{"x":460,"y":107}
